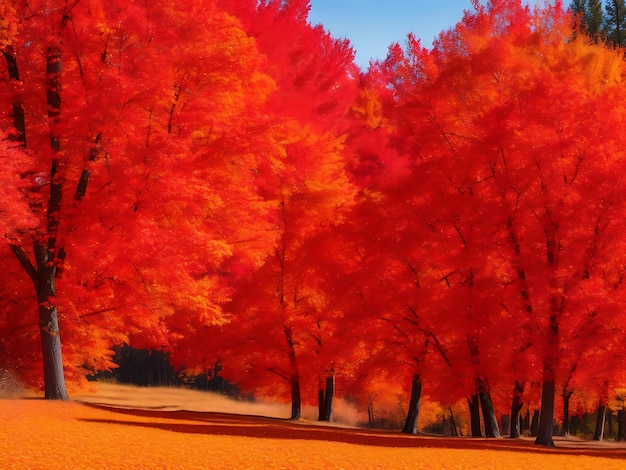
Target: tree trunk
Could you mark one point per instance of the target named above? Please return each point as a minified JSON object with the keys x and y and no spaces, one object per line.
{"x":534,"y":424}
{"x":621,"y":425}
{"x":296,"y":407}
{"x":54,"y":380}
{"x":567,"y":394}
{"x":18,"y":109}
{"x":516,"y":407}
{"x":474,"y":409}
{"x":453,"y":428}
{"x":505,"y":424}
{"x":410,"y":426}
{"x":546,"y":419}
{"x":600,"y":420}
{"x":320,"y":403}
{"x":370,"y":412}
{"x":329,"y":396}
{"x":489,"y":415}
{"x":294,"y":379}
{"x":46,"y":256}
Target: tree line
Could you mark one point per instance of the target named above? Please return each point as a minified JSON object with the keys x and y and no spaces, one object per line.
{"x":608,"y":23}
{"x":220,"y":181}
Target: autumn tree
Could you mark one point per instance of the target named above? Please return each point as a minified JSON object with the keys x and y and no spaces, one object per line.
{"x":310,"y":192}
{"x":131,"y":170}
{"x":528,"y":189}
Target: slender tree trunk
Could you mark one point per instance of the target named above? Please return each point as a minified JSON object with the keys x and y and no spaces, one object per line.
{"x":320,"y":403}
{"x":294,"y":380}
{"x":46,"y":256}
{"x":546,"y":419}
{"x":600,"y":420}
{"x":453,"y":428}
{"x":410,"y":426}
{"x":489,"y":415}
{"x":329,"y":397}
{"x":18,"y":109}
{"x":516,"y":407}
{"x":370,"y":412}
{"x":567,"y":394}
{"x":534,"y":424}
{"x":621,"y":425}
{"x":296,"y":407}
{"x":54,"y":380}
{"x":474,"y":409}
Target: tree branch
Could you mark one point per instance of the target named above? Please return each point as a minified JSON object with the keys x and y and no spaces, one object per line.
{"x":25,"y":262}
{"x":274,"y":371}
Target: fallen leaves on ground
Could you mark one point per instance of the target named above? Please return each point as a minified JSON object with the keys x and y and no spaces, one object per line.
{"x":69,"y":435}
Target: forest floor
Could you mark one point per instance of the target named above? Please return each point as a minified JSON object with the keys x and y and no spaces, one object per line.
{"x":131,"y":428}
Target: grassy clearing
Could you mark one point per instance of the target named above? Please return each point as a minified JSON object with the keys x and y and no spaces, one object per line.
{"x":167,"y":434}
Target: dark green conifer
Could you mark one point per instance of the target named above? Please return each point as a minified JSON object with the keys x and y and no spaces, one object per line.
{"x":615,"y":21}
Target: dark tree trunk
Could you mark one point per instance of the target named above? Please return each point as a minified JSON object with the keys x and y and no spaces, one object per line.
{"x":320,"y":403}
{"x":453,"y":428}
{"x":329,"y":396}
{"x":474,"y":409}
{"x":621,"y":425}
{"x":505,"y":424}
{"x":609,"y":423}
{"x":296,"y":407}
{"x":47,"y":254}
{"x":546,"y":420}
{"x":567,"y":394}
{"x":294,"y":379}
{"x":546,"y":417}
{"x":516,"y":407}
{"x":534,"y":424}
{"x":18,"y":109}
{"x":489,"y":415}
{"x":598,"y":435}
{"x":370,"y":412}
{"x":410,"y":426}
{"x":54,"y":379}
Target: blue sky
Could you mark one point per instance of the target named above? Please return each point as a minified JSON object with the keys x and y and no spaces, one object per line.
{"x":372,"y":25}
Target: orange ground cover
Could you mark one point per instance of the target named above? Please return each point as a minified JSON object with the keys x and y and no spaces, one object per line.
{"x":50,"y":435}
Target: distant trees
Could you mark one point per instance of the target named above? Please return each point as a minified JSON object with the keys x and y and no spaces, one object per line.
{"x":608,"y":24}
{"x":615,"y":21}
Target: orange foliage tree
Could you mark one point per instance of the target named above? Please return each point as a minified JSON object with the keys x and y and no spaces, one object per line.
{"x":277,"y":311}
{"x":506,"y":118}
{"x":139,"y":170}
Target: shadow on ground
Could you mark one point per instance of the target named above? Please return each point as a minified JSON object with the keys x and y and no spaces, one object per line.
{"x":224,"y":424}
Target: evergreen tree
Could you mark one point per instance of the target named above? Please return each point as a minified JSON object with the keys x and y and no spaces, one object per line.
{"x":615,"y":21}
{"x":594,"y":18}
{"x":578,"y":6}
{"x":591,"y":16}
